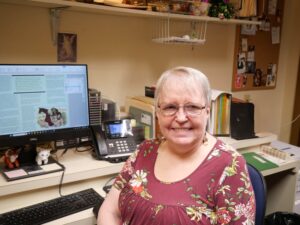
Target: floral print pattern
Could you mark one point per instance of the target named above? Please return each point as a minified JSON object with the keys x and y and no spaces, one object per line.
{"x":218,"y":192}
{"x":139,"y":183}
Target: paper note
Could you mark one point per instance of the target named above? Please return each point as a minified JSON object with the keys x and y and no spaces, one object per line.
{"x":15,"y":173}
{"x":275,"y":35}
{"x":146,"y":119}
{"x":272,"y":5}
{"x":259,"y":159}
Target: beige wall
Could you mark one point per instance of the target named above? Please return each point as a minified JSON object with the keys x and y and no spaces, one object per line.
{"x":122,"y":59}
{"x":289,"y":59}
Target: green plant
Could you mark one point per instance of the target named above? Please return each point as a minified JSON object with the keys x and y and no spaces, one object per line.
{"x":222,"y":10}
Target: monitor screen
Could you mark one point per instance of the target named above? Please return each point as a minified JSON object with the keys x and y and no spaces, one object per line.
{"x":42,"y":102}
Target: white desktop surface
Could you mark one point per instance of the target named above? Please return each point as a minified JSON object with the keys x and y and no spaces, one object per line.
{"x":253,"y":144}
{"x":82,"y":172}
{"x":79,"y":166}
{"x":262,"y":138}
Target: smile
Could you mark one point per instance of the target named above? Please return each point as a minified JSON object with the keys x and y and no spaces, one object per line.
{"x":181,"y":129}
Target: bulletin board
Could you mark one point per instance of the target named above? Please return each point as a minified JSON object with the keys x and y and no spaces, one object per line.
{"x":256,"y":51}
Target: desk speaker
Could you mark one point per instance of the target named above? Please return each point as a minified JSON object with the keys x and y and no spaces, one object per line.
{"x":94,"y":107}
{"x":242,"y":120}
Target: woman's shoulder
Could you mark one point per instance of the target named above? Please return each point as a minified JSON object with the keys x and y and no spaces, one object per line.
{"x":224,"y":155}
{"x":225,"y":148}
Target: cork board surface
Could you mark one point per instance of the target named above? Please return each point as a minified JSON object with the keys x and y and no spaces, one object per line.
{"x":257,"y":49}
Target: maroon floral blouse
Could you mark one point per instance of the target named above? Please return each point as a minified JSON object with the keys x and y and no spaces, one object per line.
{"x":217,"y":192}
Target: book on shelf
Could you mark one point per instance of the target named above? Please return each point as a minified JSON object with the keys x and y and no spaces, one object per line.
{"x":219,"y":121}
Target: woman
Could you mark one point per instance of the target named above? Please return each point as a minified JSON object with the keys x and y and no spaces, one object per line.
{"x":187,"y":177}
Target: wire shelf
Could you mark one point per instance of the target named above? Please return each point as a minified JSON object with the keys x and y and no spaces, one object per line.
{"x":195,"y":35}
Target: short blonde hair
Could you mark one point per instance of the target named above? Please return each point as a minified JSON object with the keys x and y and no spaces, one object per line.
{"x":191,"y":75}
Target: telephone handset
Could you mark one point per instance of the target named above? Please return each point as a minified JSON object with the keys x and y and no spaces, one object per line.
{"x":114,"y":140}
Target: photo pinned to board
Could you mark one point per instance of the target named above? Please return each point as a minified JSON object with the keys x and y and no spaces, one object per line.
{"x":240,"y":81}
{"x":251,"y":63}
{"x":241,"y":64}
{"x":271,"y":75}
{"x":258,"y":78}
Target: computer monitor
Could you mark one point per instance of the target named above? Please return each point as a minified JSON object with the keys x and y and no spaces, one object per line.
{"x":42,"y":102}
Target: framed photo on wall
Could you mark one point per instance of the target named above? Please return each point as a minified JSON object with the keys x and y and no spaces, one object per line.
{"x":66,"y":47}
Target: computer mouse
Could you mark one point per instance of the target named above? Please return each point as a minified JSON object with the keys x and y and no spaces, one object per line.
{"x":96,"y":209}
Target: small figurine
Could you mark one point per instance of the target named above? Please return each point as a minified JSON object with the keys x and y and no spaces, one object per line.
{"x":43,"y":153}
{"x":11,"y":158}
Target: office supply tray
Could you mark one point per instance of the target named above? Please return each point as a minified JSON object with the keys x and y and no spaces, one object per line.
{"x":31,"y":169}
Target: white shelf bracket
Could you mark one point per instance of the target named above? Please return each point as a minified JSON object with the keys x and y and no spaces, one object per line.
{"x":55,"y":16}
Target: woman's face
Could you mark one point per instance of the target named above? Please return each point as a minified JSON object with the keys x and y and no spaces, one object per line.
{"x":41,"y":116}
{"x":181,"y":129}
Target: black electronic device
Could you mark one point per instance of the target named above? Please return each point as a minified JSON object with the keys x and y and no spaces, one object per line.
{"x":242,"y":120}
{"x":108,"y":110}
{"x":95,"y":106}
{"x":114,"y":140}
{"x":43,"y":102}
{"x":53,"y":209}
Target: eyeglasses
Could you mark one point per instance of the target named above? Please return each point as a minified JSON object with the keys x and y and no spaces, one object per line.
{"x":189,"y":109}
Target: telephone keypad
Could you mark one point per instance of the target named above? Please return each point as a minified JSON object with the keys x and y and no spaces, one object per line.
{"x":121,"y":145}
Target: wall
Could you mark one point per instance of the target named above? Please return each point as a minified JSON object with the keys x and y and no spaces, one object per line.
{"x":289,"y":60}
{"x":122,"y":59}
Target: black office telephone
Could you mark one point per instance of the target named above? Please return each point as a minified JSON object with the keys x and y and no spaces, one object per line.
{"x":113,"y":140}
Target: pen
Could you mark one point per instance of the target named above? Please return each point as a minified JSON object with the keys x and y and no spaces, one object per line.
{"x":285,"y":148}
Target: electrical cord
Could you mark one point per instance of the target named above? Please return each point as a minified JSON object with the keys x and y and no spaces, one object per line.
{"x":87,"y":147}
{"x":54,"y":155}
{"x":290,"y":123}
{"x":61,"y":181}
{"x":107,"y":186}
{"x":296,"y":118}
{"x":64,"y":168}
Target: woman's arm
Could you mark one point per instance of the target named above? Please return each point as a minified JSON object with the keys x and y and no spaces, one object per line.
{"x":235,"y":196}
{"x":109,"y":212}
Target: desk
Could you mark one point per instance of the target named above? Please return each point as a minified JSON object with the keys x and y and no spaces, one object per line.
{"x":82,"y":172}
{"x":296,"y":151}
{"x":281,"y":181}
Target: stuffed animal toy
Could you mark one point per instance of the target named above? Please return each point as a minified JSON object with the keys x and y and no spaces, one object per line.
{"x":43,"y":153}
{"x":11,"y":158}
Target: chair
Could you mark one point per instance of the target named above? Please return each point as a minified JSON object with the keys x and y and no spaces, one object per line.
{"x":259,"y":187}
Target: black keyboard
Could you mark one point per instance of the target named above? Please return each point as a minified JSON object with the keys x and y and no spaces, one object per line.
{"x":53,"y":209}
